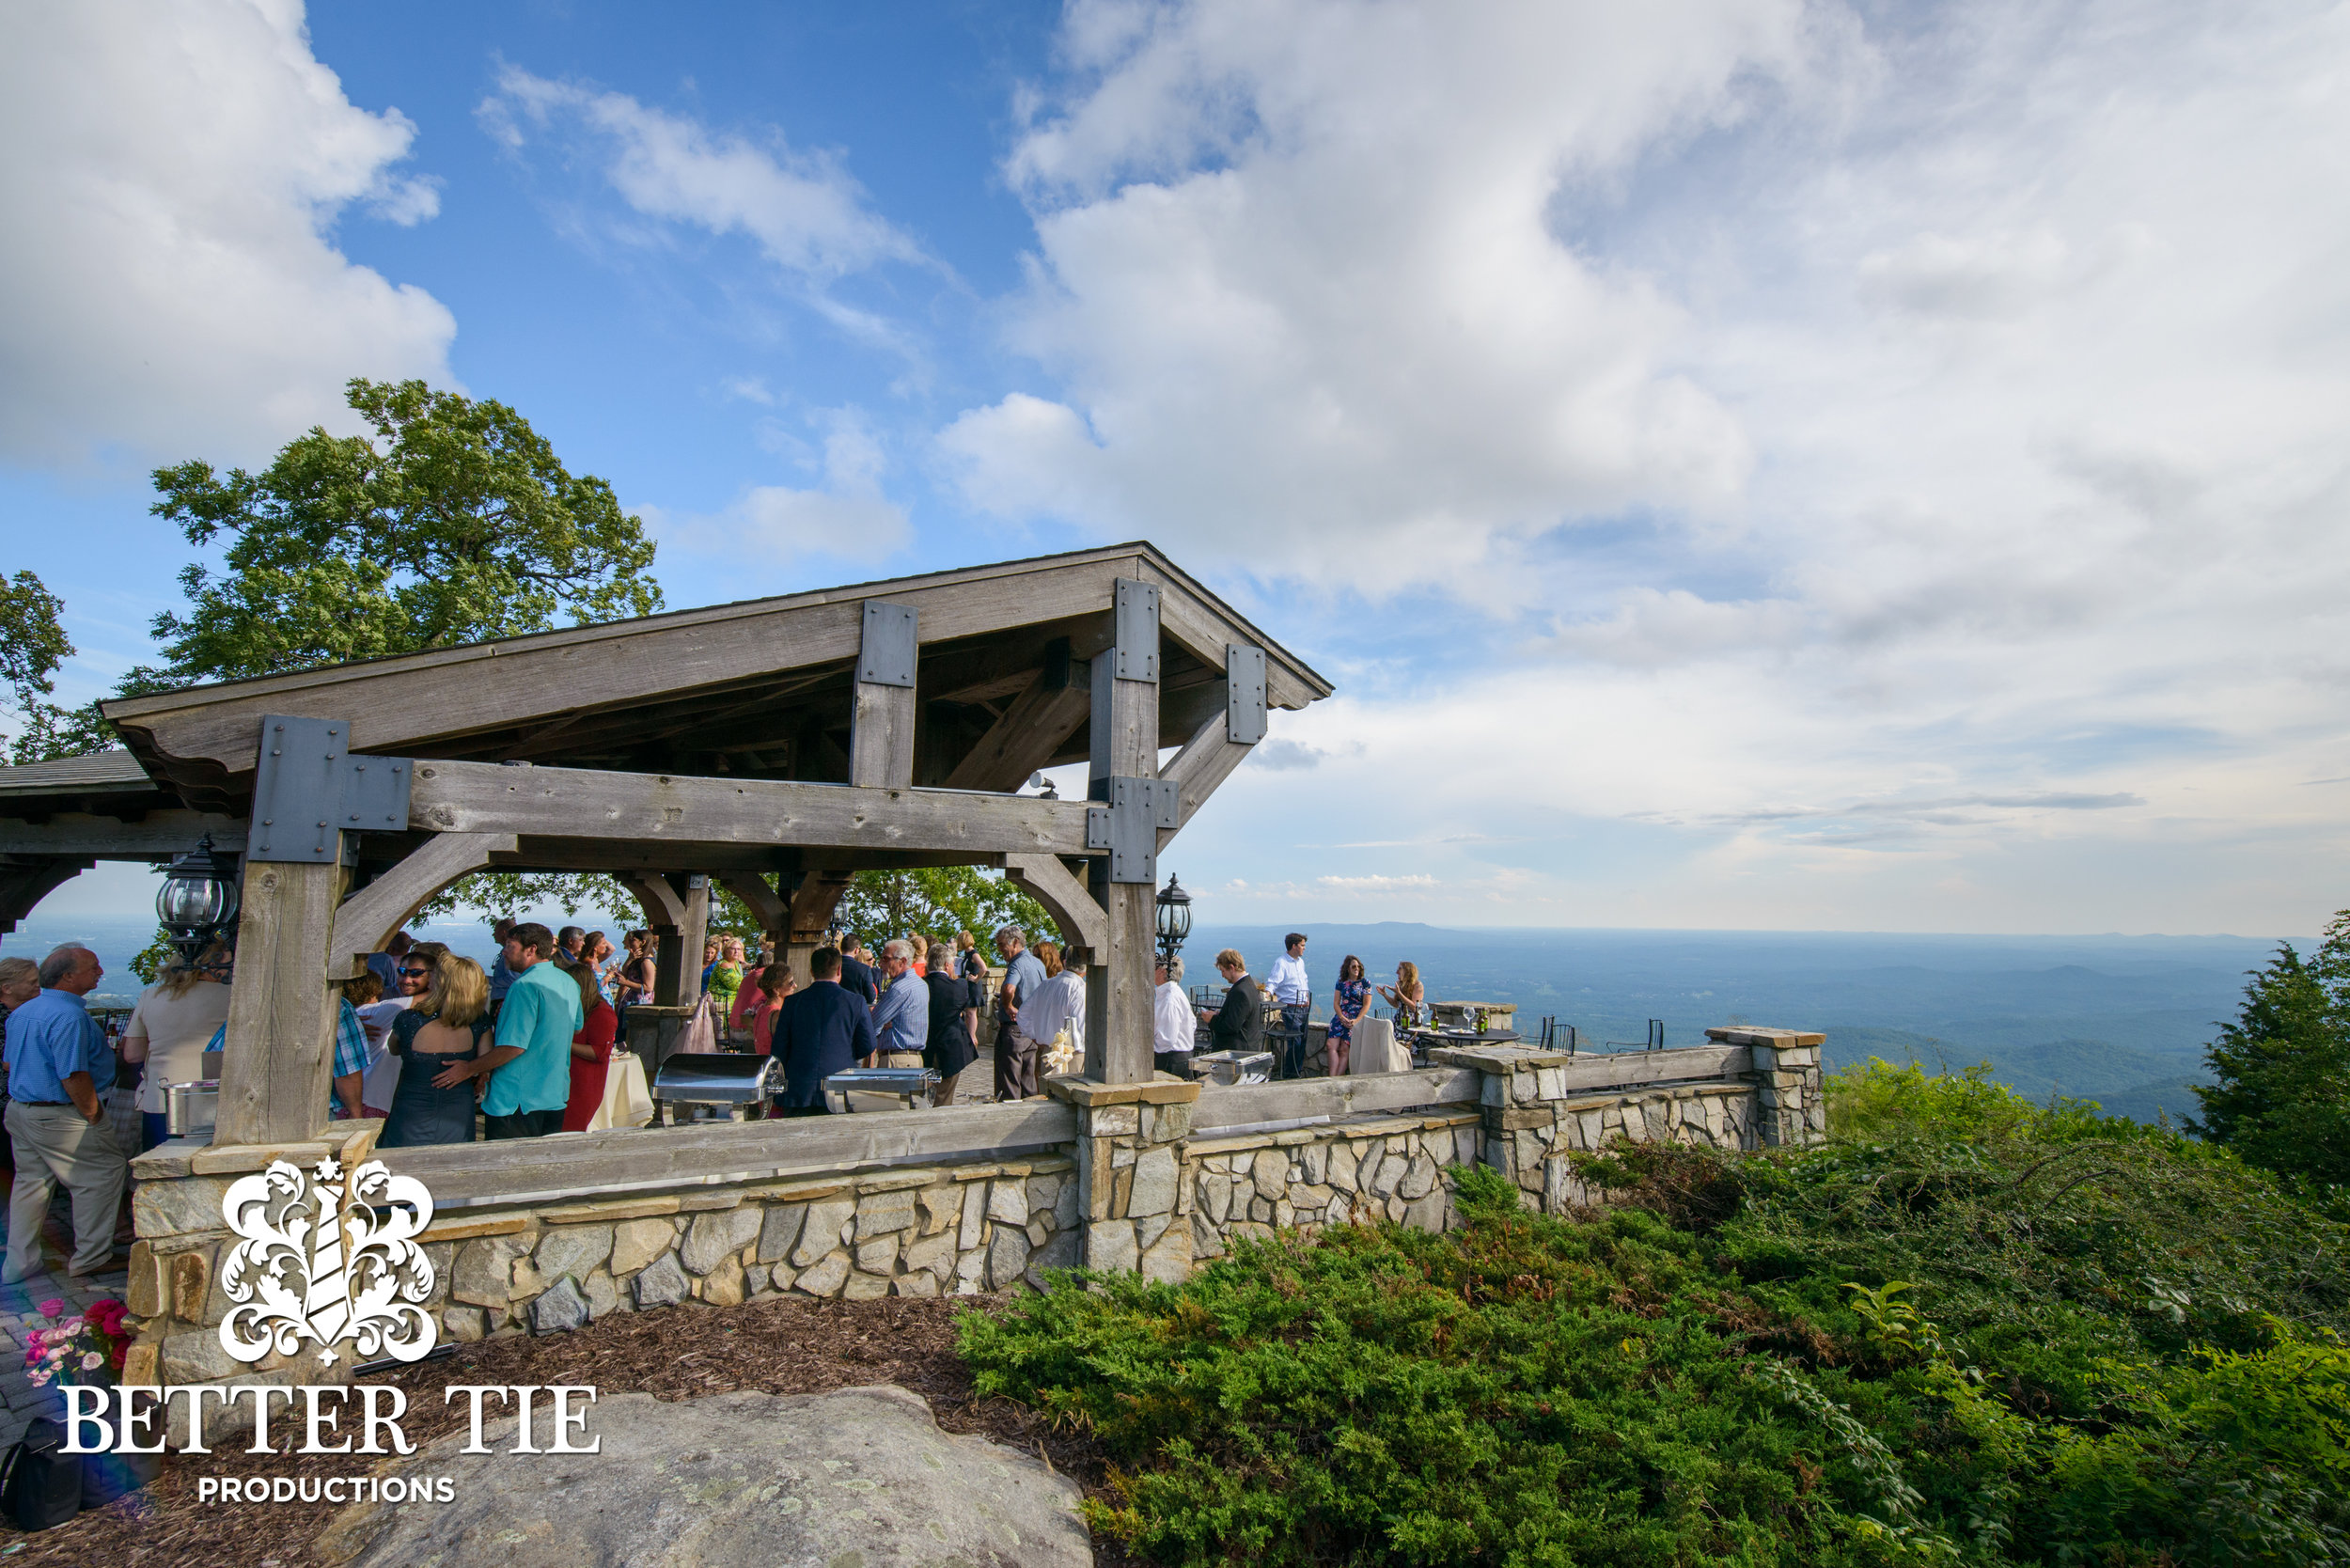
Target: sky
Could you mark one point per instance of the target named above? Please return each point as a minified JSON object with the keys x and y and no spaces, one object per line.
{"x":1744,"y":466}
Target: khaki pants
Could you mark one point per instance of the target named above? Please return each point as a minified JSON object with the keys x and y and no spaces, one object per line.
{"x":1015,"y":1063}
{"x":54,"y":1144}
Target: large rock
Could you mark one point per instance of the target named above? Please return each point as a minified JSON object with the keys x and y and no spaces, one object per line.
{"x":663,"y":1285}
{"x":716,"y":1236}
{"x":560,"y":1309}
{"x":862,"y":1476}
{"x":821,"y":1234}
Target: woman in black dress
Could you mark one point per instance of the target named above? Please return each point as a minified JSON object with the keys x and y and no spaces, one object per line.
{"x":445,"y":1026}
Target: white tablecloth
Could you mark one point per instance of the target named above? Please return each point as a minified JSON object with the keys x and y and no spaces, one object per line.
{"x":627,"y":1098}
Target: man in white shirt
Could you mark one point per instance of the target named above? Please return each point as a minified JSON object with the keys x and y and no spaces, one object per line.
{"x":1171,"y":1024}
{"x":1295,"y":994}
{"x":1059,"y":1004}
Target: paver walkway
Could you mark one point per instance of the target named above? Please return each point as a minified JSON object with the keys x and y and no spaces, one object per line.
{"x":20,"y":1310}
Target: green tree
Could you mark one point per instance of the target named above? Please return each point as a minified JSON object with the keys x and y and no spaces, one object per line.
{"x":454,"y":523}
{"x":32,"y":644}
{"x":2281,"y":1094}
{"x":940,"y":900}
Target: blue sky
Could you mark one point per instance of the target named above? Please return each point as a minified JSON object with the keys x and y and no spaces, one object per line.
{"x":1744,"y":464}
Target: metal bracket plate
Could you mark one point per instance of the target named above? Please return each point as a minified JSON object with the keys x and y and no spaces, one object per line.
{"x":891,"y":645}
{"x":1244,"y":693}
{"x":1138,"y":629}
{"x":1127,"y":824}
{"x":307,"y":789}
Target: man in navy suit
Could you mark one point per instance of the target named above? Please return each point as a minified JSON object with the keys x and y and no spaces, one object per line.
{"x":858,"y":977}
{"x":820,"y":1030}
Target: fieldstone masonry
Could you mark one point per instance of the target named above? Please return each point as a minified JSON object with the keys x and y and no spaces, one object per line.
{"x":1130,"y":1171}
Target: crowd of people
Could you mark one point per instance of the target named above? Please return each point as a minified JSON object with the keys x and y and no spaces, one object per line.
{"x":444,"y":1051}
{"x":1238,"y":1023}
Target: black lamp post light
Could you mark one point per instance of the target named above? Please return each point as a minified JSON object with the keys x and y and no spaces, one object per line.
{"x":1174,"y":917}
{"x":197,"y":900}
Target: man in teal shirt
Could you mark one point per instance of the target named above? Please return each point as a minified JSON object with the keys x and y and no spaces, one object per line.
{"x":529,"y":1067}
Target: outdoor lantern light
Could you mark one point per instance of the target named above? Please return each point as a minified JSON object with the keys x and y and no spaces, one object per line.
{"x":197,"y":900}
{"x":1174,"y":917}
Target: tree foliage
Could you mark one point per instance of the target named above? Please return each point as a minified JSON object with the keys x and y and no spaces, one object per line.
{"x":454,"y":523}
{"x":33,"y":645}
{"x":2280,"y":1095}
{"x":939,"y":900}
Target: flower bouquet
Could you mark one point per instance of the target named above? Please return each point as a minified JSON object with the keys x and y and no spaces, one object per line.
{"x":89,"y":1348}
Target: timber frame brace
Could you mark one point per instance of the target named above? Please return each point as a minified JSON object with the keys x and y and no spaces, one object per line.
{"x":307,"y":789}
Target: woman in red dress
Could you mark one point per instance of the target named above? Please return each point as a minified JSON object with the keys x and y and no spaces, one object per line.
{"x":755,"y":1009}
{"x":591,"y":1049}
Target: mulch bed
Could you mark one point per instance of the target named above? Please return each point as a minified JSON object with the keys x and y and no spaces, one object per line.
{"x":780,"y":1345}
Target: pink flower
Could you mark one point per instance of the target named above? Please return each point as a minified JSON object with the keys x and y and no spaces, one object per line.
{"x":91,"y":1361}
{"x":38,"y":1380}
{"x":55,"y":1308}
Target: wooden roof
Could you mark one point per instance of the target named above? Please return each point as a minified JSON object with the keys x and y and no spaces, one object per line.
{"x":756,"y":689}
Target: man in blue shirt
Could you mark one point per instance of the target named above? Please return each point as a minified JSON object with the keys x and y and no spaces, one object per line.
{"x":901,"y":1021}
{"x":1015,"y":1052}
{"x":501,"y":972}
{"x":58,"y":1066}
{"x":530,"y":1068}
{"x":820,"y":1029}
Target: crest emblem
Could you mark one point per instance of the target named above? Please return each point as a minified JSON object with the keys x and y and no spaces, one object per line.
{"x":329,"y":1261}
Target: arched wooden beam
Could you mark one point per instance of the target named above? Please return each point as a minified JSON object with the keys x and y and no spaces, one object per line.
{"x":366,"y":920}
{"x":770,"y":909}
{"x":1064,"y":898}
{"x":26,"y":880}
{"x":664,"y":909}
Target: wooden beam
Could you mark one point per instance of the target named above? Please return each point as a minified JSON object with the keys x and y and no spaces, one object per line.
{"x":203,"y":737}
{"x":1205,"y":762}
{"x":664,"y":909}
{"x":25,"y":883}
{"x":366,"y":919}
{"x":1125,"y":744}
{"x":1037,"y":725}
{"x":810,"y":914}
{"x":881,"y":737}
{"x":1194,"y":619}
{"x":279,"y":1064}
{"x":631,"y":1160}
{"x":1064,"y":898}
{"x":676,"y":980}
{"x":156,"y":836}
{"x":479,"y":797}
{"x":770,"y":909}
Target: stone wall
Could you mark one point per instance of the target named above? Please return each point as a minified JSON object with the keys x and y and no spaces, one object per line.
{"x":1137,"y":1190}
{"x":955,"y":1229}
{"x":1375,"y":1167}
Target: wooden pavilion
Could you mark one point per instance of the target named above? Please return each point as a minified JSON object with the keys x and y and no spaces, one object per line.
{"x":776,"y":745}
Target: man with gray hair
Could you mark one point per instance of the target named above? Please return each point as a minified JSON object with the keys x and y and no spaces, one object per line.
{"x":1015,"y":1051}
{"x":58,"y":1066}
{"x":902,"y":1019}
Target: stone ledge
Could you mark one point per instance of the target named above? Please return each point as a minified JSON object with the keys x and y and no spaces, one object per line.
{"x":1782,"y":1038}
{"x":465,"y":1229}
{"x":1078,"y":1090}
{"x":240,"y":1159}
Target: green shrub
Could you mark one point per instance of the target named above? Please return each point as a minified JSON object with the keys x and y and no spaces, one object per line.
{"x":1967,"y":1329}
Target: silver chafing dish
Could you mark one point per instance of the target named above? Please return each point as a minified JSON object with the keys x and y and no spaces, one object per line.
{"x":717,"y":1077}
{"x":1234,"y":1067}
{"x":192,"y":1107}
{"x":907,"y":1083}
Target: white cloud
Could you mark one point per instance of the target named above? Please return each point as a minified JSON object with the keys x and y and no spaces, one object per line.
{"x":172,"y":178}
{"x":1301,"y":284}
{"x":847,"y":514}
{"x":808,"y":215}
{"x":1947,"y":402}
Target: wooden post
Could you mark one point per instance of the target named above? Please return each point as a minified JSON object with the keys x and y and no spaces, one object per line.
{"x":813,"y":904}
{"x":678,"y":975}
{"x":1125,"y":746}
{"x":280,"y":1066}
{"x":881,"y":727}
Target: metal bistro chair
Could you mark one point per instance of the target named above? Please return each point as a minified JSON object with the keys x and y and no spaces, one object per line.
{"x":1554,"y":1035}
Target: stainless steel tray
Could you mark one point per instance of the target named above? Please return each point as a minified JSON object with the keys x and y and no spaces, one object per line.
{"x":718,"y":1077}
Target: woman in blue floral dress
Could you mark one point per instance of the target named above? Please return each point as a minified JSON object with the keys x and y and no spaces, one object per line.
{"x":1353,"y":996}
